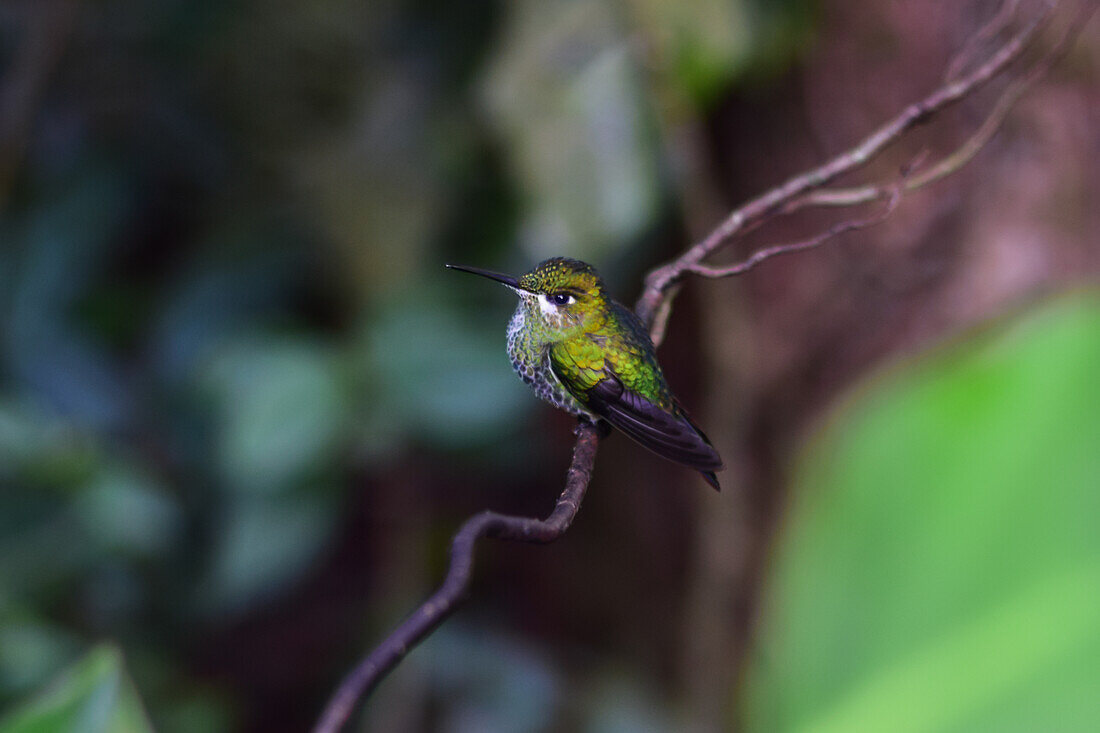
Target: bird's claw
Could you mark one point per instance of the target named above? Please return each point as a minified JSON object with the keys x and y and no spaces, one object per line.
{"x":603,"y":428}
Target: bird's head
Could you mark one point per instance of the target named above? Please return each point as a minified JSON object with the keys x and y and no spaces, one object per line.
{"x":563,"y":293}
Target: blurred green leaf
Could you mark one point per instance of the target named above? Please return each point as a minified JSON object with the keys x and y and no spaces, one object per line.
{"x":698,"y":45}
{"x":438,"y":375}
{"x":941,"y":567}
{"x":31,"y":651}
{"x":496,"y":682}
{"x":281,"y":409}
{"x":63,"y":244}
{"x":94,"y":696}
{"x":620,"y":704}
{"x":125,"y":510}
{"x":218,"y":298}
{"x":41,"y":450}
{"x":263,"y":544}
{"x":565,"y":93}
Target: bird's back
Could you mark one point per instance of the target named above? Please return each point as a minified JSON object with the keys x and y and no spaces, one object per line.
{"x":619,"y":345}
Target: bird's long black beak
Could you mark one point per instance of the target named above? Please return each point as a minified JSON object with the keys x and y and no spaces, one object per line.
{"x":506,"y":279}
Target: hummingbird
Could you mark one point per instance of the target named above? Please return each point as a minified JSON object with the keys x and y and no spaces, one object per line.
{"x":589,"y":355}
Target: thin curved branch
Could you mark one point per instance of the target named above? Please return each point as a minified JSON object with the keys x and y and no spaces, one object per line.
{"x":996,"y":25}
{"x":963,"y":154}
{"x":660,"y":280}
{"x":767,"y":253}
{"x":370,"y":671}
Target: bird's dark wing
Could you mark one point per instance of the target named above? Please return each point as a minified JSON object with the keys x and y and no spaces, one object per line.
{"x":669,"y":435}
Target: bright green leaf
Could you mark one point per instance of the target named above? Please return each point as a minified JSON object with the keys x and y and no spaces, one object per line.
{"x":940,"y":570}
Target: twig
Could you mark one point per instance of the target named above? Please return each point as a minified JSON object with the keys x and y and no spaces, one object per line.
{"x":766,"y":253}
{"x":452,"y":592}
{"x":964,"y":153}
{"x":660,"y":280}
{"x":993,"y":28}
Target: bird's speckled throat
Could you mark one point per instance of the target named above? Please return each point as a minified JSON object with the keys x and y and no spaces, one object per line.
{"x":529,"y":338}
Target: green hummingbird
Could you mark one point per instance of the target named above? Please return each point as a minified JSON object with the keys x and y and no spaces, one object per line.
{"x":585,"y":353}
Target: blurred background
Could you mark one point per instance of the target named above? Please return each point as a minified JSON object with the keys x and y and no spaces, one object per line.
{"x":243,"y":406}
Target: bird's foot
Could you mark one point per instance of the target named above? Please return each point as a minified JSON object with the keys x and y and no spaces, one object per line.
{"x":603,"y":428}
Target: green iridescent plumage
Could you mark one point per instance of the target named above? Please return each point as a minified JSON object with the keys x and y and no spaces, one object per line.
{"x":587,"y":354}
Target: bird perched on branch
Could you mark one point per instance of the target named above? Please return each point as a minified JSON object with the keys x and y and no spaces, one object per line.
{"x":585,"y":353}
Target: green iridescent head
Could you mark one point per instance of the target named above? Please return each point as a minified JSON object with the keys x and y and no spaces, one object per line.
{"x":565,"y":276}
{"x":565,"y":293}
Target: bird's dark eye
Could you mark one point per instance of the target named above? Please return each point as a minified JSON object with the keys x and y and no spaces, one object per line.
{"x":561,"y":298}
